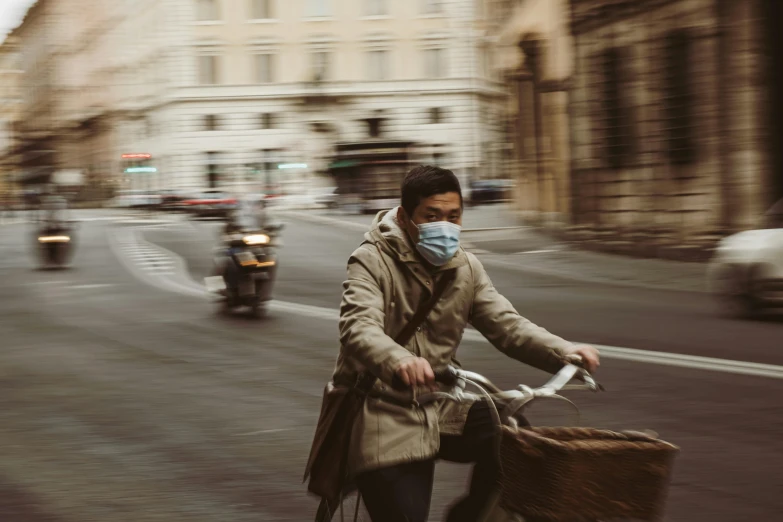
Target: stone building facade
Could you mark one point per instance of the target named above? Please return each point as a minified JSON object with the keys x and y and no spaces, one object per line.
{"x":10,"y":109}
{"x":38,"y":151}
{"x":535,"y":56}
{"x":219,"y":92}
{"x":675,"y":119}
{"x":307,"y":74}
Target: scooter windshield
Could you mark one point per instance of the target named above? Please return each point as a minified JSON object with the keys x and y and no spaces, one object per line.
{"x":250,"y":217}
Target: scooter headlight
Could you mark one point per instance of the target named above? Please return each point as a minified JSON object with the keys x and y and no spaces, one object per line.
{"x":256,"y":239}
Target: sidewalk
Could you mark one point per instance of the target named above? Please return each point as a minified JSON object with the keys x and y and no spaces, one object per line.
{"x":489,"y":234}
{"x":5,"y":220}
{"x":86,"y":215}
{"x":476,"y":218}
{"x":535,"y":252}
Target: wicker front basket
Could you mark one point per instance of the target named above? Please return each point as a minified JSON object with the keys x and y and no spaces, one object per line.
{"x":575,"y":474}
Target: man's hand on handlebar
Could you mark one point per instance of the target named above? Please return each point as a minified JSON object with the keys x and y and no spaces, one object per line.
{"x":590,"y":358}
{"x":416,"y":371}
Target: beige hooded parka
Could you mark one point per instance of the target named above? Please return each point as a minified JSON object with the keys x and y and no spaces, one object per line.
{"x":386,"y":282}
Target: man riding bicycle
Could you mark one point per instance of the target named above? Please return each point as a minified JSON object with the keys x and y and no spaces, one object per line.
{"x":411,"y":253}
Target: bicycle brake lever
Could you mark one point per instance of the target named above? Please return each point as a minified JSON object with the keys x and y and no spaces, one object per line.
{"x":591,"y":382}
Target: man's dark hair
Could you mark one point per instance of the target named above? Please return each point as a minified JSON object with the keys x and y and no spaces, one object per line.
{"x":425,"y":181}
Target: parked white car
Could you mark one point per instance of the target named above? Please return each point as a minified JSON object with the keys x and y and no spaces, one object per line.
{"x":746,"y":272}
{"x":136,"y":199}
{"x":327,"y":197}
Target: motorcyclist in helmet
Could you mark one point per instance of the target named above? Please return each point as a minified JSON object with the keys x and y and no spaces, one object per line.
{"x":248,"y":216}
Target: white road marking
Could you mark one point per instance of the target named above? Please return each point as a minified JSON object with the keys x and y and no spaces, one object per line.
{"x":261,"y":432}
{"x":143,"y":255}
{"x":123,"y":241}
{"x":91,"y":286}
{"x":696,"y":362}
{"x":190,"y":287}
{"x":546,"y":251}
{"x":609,"y":352}
{"x":693,"y":361}
{"x":329,"y":314}
{"x":65,"y":288}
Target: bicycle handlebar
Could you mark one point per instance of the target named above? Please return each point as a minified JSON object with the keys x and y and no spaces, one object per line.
{"x":447,"y":376}
{"x":457,"y":379}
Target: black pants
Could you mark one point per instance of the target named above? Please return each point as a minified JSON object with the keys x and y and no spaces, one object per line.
{"x":402,"y":493}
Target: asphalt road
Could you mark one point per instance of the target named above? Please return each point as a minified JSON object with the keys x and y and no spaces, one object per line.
{"x":126,"y":397}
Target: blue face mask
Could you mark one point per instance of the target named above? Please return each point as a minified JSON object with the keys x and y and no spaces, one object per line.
{"x":438,"y":241}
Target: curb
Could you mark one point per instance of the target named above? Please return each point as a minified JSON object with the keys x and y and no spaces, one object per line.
{"x":323,"y":220}
{"x":496,"y":229}
{"x":487,"y":260}
{"x":491,"y":259}
{"x":363,"y":228}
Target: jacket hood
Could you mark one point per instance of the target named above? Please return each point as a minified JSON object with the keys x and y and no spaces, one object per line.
{"x":387,"y":233}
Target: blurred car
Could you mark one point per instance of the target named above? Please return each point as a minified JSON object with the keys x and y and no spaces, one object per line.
{"x":210,"y":203}
{"x":173,"y":199}
{"x":327,"y":197}
{"x":746,"y":272}
{"x":490,"y":191}
{"x":136,"y":199}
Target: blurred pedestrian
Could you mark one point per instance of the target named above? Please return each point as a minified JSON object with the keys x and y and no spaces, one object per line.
{"x":411,"y":254}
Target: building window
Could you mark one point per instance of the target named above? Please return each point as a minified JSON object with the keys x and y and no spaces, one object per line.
{"x":375,"y":7}
{"x":487,"y":62}
{"x":213,"y":169}
{"x":616,"y":113}
{"x":374,"y":126}
{"x":431,"y":6}
{"x":207,"y":10}
{"x":321,"y":65}
{"x":261,"y":9}
{"x":267,"y":121}
{"x":318,"y":8}
{"x":271,"y":160}
{"x":211,"y":122}
{"x":208,"y":70}
{"x":439,"y":156}
{"x":378,"y":65}
{"x":434,"y":63}
{"x":436,"y":115}
{"x":679,"y":99}
{"x":264,"y":68}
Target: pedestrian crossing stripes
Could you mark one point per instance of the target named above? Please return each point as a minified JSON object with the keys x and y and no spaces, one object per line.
{"x":145,"y":256}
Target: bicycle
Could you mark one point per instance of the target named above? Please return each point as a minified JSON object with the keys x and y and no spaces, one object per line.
{"x":506,"y":408}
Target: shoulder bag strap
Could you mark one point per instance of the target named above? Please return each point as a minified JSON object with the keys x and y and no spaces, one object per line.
{"x":425,"y":308}
{"x":367,"y":381}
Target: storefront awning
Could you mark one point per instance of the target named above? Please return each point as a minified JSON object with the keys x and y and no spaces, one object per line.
{"x":343,"y":164}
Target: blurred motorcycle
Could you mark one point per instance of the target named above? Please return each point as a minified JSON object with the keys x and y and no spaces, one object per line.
{"x":55,"y":234}
{"x":246,"y":263}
